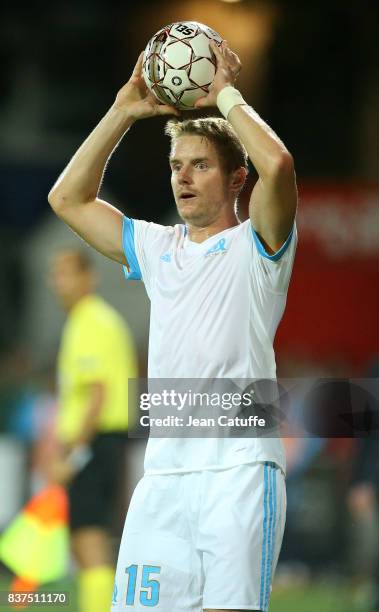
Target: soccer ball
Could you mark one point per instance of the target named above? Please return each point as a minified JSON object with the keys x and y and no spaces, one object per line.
{"x":178,"y":63}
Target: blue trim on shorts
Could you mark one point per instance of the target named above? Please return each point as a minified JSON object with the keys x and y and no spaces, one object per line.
{"x":275,"y":473}
{"x":264,"y":539}
{"x":269,"y":533}
{"x":134,"y":272}
{"x":262,"y":251}
{"x":271,"y":543}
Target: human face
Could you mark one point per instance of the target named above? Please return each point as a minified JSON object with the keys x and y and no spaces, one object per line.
{"x":68,"y":280}
{"x":199,"y":181}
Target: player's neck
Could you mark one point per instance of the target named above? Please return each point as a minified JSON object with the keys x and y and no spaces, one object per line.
{"x":200,"y":234}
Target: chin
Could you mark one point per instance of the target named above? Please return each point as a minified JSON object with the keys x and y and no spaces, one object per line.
{"x":192,"y":218}
{"x":187,"y":213}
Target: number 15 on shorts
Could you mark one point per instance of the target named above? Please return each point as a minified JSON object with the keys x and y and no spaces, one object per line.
{"x":148,"y":588}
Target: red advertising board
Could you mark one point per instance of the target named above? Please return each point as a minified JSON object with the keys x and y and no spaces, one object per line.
{"x":333,"y":301}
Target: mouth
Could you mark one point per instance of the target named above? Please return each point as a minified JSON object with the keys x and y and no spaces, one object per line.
{"x":186,"y":198}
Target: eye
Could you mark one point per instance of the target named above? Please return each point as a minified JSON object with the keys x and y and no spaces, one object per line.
{"x":201,"y":165}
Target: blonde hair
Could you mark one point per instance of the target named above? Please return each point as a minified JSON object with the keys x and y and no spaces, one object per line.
{"x":219,"y":132}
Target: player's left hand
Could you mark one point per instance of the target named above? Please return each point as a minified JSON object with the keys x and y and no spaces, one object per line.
{"x":228,"y":69}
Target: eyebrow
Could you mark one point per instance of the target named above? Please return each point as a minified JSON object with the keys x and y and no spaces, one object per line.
{"x":174,"y":160}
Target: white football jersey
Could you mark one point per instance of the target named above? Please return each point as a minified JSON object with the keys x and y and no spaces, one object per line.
{"x":215,"y":308}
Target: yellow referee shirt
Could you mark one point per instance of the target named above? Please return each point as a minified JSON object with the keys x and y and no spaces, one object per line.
{"x":96,"y":346}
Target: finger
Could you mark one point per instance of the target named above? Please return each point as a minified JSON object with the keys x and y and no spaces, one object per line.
{"x":231,"y":55}
{"x":233,"y":60}
{"x":216,"y":49}
{"x":166,"y":109}
{"x":227,"y":50}
{"x":201,"y":102}
{"x":224,"y":48}
{"x":170,"y":109}
{"x":137,"y":70}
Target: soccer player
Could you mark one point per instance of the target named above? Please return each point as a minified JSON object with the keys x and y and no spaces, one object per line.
{"x":96,"y":358}
{"x":205,"y":524}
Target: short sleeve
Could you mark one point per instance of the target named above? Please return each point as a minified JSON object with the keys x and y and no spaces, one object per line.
{"x":142,"y":242}
{"x":133,"y":271}
{"x":274,"y":271}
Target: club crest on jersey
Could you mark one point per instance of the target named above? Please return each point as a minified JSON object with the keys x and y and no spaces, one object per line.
{"x":166,"y":257}
{"x":217,"y":249}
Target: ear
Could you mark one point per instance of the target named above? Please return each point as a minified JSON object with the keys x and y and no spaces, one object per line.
{"x":237,"y":179}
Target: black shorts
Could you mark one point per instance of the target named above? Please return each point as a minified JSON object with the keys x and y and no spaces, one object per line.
{"x":94,"y":491}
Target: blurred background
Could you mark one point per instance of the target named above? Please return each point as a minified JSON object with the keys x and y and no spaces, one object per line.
{"x":311,"y":70}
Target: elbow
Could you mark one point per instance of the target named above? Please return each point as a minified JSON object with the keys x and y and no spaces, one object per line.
{"x":59,"y":202}
{"x":283,"y":165}
{"x":54,"y":201}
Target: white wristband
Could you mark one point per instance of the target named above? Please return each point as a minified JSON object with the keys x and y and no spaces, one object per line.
{"x":227,"y":99}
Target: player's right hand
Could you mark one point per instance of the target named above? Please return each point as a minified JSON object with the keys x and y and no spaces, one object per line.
{"x":137,"y":101}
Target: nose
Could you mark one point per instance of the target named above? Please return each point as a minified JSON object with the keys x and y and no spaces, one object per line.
{"x":184,"y":176}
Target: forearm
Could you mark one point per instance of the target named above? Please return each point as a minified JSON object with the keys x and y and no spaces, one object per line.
{"x":81,"y":180}
{"x":265,"y":149}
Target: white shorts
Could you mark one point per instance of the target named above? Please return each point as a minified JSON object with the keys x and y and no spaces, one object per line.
{"x":207,"y":539}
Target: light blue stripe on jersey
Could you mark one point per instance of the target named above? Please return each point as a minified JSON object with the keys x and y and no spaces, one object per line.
{"x":263,"y":251}
{"x":134,"y":272}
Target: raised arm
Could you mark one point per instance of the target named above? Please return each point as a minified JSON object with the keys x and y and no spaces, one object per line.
{"x":74,"y":197}
{"x":273,"y":200}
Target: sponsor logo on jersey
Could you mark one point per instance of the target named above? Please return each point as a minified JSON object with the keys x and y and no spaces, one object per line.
{"x":217,"y":249}
{"x":166,"y":257}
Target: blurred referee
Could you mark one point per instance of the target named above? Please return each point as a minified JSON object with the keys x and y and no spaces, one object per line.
{"x":96,"y":358}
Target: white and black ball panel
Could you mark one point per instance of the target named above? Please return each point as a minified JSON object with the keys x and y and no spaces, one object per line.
{"x":179,"y":64}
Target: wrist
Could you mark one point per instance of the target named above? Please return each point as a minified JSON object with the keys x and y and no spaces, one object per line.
{"x":122,"y":114}
{"x":228,"y":98}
